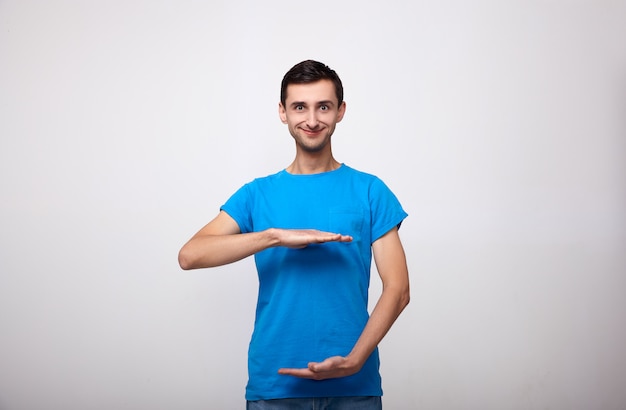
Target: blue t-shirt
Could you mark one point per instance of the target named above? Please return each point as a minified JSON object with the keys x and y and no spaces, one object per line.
{"x":312,"y":302}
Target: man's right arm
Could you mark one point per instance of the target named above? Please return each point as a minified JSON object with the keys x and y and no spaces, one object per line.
{"x":221,"y":242}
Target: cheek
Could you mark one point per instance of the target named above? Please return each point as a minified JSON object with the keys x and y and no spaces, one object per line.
{"x":330,"y":116}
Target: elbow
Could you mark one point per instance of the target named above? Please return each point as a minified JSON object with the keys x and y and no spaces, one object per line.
{"x":190,"y":258}
{"x":185,"y":261}
{"x":399,"y":293}
{"x":405,"y":297}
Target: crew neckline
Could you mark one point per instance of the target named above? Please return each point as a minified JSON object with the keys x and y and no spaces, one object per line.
{"x":318,"y":174}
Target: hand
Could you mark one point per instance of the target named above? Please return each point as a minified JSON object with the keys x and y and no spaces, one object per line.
{"x":301,"y":238}
{"x":333,"y":367}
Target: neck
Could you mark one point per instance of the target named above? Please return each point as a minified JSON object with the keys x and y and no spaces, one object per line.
{"x":312,"y":165}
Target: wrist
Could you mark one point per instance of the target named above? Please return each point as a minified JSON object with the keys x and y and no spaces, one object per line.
{"x":354,"y":362}
{"x":272,"y":237}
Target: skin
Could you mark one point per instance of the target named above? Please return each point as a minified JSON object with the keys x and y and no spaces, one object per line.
{"x":311,"y":113}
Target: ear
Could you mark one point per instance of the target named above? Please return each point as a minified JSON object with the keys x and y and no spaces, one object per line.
{"x":281,"y":113}
{"x":341,"y":111}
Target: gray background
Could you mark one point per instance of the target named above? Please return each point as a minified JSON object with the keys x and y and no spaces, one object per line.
{"x":126,"y":124}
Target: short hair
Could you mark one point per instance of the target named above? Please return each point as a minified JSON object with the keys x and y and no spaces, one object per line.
{"x":310,"y":71}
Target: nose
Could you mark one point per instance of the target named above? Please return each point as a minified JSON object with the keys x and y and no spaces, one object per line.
{"x":312,"y":121}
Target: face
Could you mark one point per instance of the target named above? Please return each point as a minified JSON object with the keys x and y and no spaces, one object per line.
{"x":311,"y":112}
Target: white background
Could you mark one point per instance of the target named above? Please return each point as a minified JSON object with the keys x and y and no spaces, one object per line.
{"x":500,"y":125}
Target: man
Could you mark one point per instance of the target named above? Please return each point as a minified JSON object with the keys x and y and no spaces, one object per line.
{"x":312,"y":228}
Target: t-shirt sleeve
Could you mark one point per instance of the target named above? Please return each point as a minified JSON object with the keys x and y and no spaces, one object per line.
{"x":238,"y":207}
{"x":387,"y":211}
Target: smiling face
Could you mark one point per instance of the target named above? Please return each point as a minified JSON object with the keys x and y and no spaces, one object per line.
{"x":311,"y":112}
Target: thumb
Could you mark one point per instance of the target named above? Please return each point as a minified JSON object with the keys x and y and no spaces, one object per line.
{"x":314,"y":366}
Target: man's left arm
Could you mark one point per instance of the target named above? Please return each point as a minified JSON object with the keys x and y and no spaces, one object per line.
{"x":391,"y":264}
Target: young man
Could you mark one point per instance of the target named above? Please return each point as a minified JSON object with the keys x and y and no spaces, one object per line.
{"x":312,"y":228}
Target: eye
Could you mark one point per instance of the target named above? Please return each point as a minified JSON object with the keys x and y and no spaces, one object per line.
{"x":324,"y":107}
{"x":299,"y":107}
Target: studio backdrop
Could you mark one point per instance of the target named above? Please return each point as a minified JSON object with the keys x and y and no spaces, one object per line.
{"x":500,"y":126}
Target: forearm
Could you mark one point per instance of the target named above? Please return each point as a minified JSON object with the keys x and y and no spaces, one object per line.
{"x":389,"y":306}
{"x":391,"y":303}
{"x":205,"y":251}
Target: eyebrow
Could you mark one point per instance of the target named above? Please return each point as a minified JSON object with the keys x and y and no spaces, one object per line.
{"x":325,"y":102}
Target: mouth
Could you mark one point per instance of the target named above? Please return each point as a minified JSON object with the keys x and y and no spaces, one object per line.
{"x":312,"y":133}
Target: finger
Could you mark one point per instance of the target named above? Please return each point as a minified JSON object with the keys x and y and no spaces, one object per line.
{"x":313,"y":366}
{"x":337,"y":237}
{"x":325,"y":366}
{"x":305,"y":373}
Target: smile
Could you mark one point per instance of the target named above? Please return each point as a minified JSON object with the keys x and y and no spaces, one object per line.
{"x":312,"y":132}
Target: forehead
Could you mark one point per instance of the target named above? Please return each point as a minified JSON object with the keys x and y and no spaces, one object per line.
{"x":323,"y":90}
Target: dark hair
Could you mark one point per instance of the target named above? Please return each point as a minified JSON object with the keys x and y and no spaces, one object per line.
{"x":310,"y":71}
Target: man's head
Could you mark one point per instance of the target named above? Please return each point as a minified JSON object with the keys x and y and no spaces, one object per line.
{"x":310,"y":71}
{"x":311,"y":105}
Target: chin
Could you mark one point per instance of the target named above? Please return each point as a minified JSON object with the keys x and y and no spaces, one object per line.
{"x":312,"y":149}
